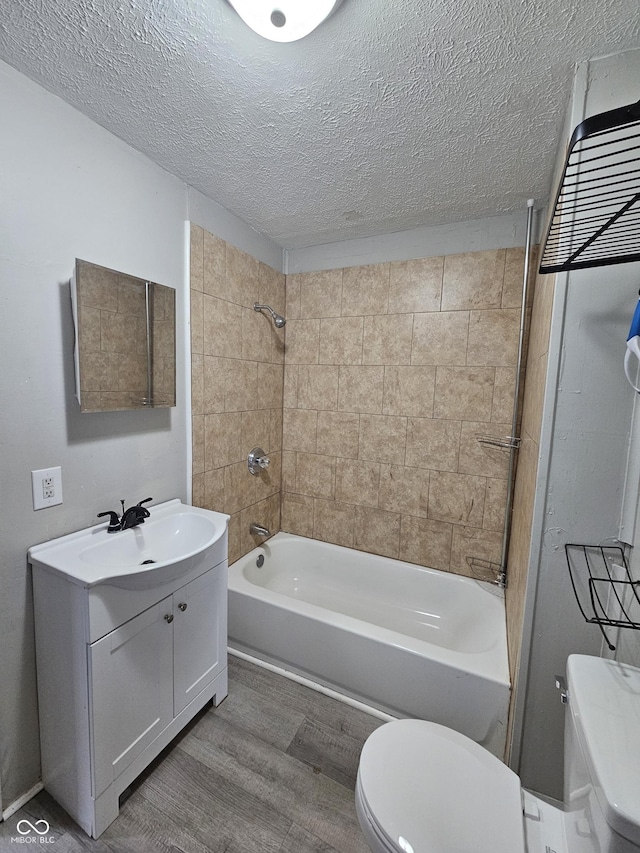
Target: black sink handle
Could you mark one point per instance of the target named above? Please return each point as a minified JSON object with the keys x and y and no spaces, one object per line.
{"x":114,"y":521}
{"x":144,"y":512}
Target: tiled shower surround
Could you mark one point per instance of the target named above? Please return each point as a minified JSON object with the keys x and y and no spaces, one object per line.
{"x":372,"y":414}
{"x":237,"y":370}
{"x":392,"y":371}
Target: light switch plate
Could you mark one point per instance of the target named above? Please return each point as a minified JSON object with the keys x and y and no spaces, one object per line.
{"x":46,"y":484}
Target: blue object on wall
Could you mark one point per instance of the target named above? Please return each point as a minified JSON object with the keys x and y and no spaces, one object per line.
{"x":633,"y":347}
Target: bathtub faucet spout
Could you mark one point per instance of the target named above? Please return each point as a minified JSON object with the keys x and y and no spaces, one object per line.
{"x":259,"y":530}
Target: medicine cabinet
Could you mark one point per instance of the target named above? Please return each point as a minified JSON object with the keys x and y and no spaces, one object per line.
{"x":125,"y":350}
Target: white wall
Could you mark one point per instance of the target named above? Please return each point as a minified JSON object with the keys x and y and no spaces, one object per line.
{"x":495,"y":232}
{"x":584,"y":443}
{"x":69,"y":189}
{"x":217,"y":220}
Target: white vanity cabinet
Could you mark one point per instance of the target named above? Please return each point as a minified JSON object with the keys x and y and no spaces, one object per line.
{"x":128,"y":710}
{"x":132,"y":698}
{"x":123,"y":665}
{"x":199,"y":642}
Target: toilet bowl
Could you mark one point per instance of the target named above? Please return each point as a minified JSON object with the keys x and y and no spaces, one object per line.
{"x":424,"y":788}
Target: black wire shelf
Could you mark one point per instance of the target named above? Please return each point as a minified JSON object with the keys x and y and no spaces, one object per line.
{"x":596,"y":214}
{"x":606,"y":593}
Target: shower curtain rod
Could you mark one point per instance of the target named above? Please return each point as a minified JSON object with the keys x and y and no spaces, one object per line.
{"x":512,"y":442}
{"x":515,"y":440}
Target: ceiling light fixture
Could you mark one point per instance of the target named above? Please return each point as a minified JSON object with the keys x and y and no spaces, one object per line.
{"x":284,"y":20}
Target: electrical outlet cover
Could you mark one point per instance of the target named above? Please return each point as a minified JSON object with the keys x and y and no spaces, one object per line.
{"x":46,"y":484}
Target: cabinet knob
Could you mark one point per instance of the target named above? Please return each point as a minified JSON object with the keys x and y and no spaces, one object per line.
{"x":168,"y":617}
{"x":183,"y":605}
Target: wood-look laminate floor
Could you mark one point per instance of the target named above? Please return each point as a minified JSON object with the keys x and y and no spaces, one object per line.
{"x":271,"y":770}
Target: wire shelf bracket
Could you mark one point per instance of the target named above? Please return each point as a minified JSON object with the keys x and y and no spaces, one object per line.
{"x":509,"y":442}
{"x":488,"y":571}
{"x":596,"y":214}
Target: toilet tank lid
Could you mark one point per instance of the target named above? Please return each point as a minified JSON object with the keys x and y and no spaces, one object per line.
{"x":604,"y":700}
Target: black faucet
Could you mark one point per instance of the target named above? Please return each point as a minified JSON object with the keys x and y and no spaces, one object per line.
{"x":131,"y":517}
{"x":135,"y":515}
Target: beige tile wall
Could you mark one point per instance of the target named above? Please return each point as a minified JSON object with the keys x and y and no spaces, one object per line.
{"x":237,"y":375}
{"x":391,"y":372}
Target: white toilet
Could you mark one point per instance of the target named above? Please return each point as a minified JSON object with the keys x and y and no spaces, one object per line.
{"x":423,"y":788}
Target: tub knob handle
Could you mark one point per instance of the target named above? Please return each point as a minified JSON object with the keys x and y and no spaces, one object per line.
{"x":258,"y":460}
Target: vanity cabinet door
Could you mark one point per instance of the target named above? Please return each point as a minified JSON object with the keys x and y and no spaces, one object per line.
{"x":200,"y":635}
{"x":131,"y":690}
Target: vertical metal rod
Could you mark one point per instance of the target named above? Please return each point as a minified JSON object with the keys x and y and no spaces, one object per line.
{"x":149,"y":401}
{"x":514,"y":421}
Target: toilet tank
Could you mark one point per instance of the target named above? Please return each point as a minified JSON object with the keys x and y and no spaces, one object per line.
{"x":602,"y":756}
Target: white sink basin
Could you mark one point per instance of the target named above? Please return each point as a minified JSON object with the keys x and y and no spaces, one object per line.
{"x":158,"y":540}
{"x":165,"y":546}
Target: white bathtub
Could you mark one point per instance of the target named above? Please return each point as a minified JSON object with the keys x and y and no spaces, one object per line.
{"x":410,"y":641}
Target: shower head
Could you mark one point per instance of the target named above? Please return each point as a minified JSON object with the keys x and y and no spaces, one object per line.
{"x":278,"y":320}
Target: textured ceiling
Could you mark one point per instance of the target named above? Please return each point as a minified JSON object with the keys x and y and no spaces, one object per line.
{"x":390,"y":116}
